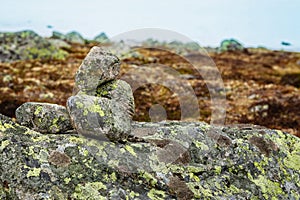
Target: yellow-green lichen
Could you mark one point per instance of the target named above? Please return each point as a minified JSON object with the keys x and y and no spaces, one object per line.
{"x":84,"y":152}
{"x":194,"y":177}
{"x":233,"y":189}
{"x":201,"y":146}
{"x":194,"y":169}
{"x":85,"y":112}
{"x":293,"y":159}
{"x":89,"y":190}
{"x":110,"y":177}
{"x":149,"y":178}
{"x":268,"y":187}
{"x":79,"y":105}
{"x":39,"y":138}
{"x":4,"y":144}
{"x":38,"y":109}
{"x":5,"y":126}
{"x":261,"y":164}
{"x":29,"y":132}
{"x":218,"y":169}
{"x":156,"y":194}
{"x":31,"y":152}
{"x":113,"y":177}
{"x":95,"y":109}
{"x":132,"y":195}
{"x":67,"y":180}
{"x":34,"y":172}
{"x":130,"y":150}
{"x":77,"y":140}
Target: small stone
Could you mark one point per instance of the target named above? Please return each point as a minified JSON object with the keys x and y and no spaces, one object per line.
{"x":99,"y":117}
{"x":98,"y":67}
{"x":44,"y":117}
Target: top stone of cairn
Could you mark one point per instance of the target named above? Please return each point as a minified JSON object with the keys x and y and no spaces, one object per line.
{"x":98,"y":67}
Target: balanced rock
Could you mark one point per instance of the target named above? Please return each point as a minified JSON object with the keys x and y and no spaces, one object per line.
{"x":98,"y":67}
{"x":99,"y":117}
{"x":44,"y":117}
{"x":102,"y":107}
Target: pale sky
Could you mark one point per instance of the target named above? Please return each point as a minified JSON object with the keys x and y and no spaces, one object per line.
{"x":252,"y":22}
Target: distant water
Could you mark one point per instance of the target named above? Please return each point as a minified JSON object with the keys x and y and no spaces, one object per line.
{"x":253,"y":23}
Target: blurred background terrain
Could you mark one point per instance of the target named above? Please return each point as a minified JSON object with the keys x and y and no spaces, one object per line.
{"x":254,"y":44}
{"x":261,"y":85}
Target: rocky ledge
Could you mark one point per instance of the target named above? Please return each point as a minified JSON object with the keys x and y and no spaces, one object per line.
{"x":91,"y":149}
{"x":166,"y":160}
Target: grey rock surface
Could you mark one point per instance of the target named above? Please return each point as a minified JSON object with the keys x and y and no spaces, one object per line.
{"x":98,"y":67}
{"x":44,"y":117}
{"x":121,"y":92}
{"x":167,"y":160}
{"x":99,"y":117}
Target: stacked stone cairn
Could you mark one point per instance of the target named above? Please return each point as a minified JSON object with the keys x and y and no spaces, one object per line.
{"x":101,"y":108}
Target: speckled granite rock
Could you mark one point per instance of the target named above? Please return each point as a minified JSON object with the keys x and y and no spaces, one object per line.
{"x":170,"y":160}
{"x":99,"y":117}
{"x":44,"y":117}
{"x":98,"y":67}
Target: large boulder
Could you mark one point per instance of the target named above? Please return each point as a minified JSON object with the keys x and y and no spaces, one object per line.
{"x":26,"y":45}
{"x":167,"y":160}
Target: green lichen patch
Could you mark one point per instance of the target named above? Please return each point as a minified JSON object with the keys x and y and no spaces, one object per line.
{"x":89,"y":191}
{"x":35,"y":172}
{"x":156,"y":194}
{"x":293,"y":158}
{"x":4,"y":144}
{"x":268,"y":188}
